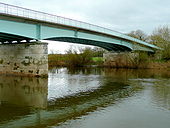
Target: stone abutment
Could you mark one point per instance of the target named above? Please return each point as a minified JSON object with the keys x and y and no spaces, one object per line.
{"x":25,"y":59}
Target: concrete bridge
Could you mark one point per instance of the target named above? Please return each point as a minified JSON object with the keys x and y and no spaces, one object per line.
{"x":21,"y":27}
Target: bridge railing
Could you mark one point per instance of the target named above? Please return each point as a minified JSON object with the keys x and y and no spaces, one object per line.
{"x":32,"y":14}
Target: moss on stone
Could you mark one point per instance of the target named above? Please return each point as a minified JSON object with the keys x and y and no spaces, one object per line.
{"x":1,"y":61}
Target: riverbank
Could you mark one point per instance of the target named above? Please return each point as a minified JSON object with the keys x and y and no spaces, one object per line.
{"x":64,"y":60}
{"x":130,"y":60}
{"x":57,"y":60}
{"x":121,"y":61}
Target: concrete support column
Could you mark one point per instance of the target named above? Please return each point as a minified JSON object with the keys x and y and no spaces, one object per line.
{"x":29,"y":59}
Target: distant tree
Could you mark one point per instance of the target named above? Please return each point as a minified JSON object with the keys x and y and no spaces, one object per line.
{"x":161,"y":36}
{"x":98,"y":52}
{"x":139,"y":34}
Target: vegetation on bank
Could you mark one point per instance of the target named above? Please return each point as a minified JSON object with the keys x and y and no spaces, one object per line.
{"x":160,"y":59}
{"x":57,"y":60}
{"x":77,"y":58}
{"x":88,"y":56}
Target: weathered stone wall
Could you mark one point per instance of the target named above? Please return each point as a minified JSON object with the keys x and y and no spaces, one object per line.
{"x":24,"y":59}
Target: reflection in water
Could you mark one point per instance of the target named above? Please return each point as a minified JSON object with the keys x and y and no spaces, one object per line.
{"x":161,"y":94}
{"x":74,"y":93}
{"x":23,"y":91}
{"x":19,"y":94}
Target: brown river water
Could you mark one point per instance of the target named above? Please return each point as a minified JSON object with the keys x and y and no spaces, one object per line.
{"x":87,"y":98}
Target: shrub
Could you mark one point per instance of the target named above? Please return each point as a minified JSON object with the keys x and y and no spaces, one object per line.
{"x":79,"y":59}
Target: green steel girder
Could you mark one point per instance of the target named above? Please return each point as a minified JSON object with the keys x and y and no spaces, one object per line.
{"x":22,"y":30}
{"x":105,"y":45}
{"x":6,"y":39}
{"x":10,"y":37}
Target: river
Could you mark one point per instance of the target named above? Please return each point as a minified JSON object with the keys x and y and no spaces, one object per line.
{"x":87,"y":98}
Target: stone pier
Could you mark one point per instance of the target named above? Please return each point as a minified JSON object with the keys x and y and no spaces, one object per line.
{"x":26,"y":59}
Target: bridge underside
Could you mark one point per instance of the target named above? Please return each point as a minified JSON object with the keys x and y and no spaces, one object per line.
{"x":10,"y":38}
{"x":105,"y":45}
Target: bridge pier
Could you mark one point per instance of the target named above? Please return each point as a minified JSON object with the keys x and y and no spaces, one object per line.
{"x":26,"y":59}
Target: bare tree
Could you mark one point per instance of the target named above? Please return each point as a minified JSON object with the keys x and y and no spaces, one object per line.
{"x":139,"y":34}
{"x":161,"y":36}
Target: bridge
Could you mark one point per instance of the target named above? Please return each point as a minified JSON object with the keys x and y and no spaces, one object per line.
{"x":20,"y":27}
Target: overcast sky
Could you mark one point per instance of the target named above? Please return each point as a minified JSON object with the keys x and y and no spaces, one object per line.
{"x":119,"y":15}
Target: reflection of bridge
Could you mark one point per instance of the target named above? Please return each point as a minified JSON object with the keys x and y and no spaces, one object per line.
{"x":55,"y":110}
{"x":18,"y":24}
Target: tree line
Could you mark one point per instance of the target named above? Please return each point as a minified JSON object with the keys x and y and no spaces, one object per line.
{"x":159,"y":37}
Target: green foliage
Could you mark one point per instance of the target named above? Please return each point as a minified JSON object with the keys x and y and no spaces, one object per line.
{"x":79,"y":59}
{"x":161,"y":38}
{"x":165,"y":54}
{"x":143,"y":57}
{"x":97,"y":60}
{"x":56,"y":60}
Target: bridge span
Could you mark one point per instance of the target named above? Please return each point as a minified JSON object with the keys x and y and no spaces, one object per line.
{"x":19,"y":24}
